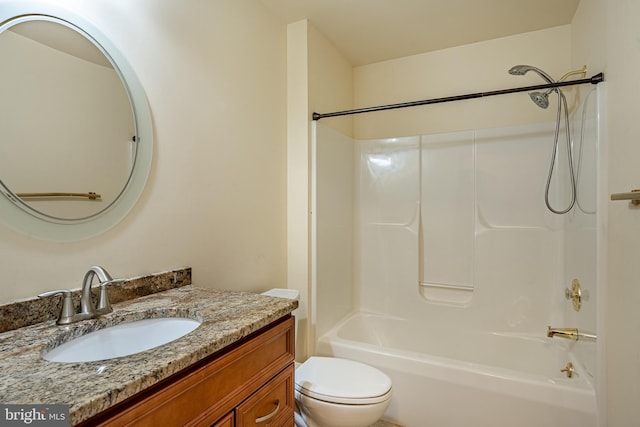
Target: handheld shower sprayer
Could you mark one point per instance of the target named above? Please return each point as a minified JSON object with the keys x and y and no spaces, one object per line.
{"x":541,"y":99}
{"x":521,"y":70}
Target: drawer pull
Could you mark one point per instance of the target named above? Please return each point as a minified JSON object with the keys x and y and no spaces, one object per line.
{"x":269,"y":416}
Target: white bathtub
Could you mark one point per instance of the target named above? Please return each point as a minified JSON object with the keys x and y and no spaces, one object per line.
{"x":445,"y":378}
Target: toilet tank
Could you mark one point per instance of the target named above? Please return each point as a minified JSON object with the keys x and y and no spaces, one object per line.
{"x":283,"y":293}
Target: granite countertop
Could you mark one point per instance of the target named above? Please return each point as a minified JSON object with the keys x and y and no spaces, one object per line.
{"x":91,"y":387}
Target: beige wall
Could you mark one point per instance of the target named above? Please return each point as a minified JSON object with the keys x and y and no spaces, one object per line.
{"x":215,"y":77}
{"x":623,"y":293}
{"x":472,"y":68}
{"x":319,"y":80}
{"x":605,"y":35}
{"x":330,"y":81}
{"x":331,"y":89}
{"x":298,"y":134}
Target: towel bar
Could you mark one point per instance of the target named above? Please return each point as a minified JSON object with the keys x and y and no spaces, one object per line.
{"x":90,"y":195}
{"x":633,"y":196}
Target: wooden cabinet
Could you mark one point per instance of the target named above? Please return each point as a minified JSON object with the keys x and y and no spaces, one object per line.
{"x":248,"y":384}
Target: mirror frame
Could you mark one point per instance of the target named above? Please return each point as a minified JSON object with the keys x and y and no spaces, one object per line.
{"x":21,"y":218}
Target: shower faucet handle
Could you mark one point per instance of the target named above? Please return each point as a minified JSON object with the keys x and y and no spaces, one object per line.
{"x":574,"y":294}
{"x":568,"y":369}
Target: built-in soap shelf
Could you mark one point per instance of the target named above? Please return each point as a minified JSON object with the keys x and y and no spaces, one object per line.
{"x":446,"y":294}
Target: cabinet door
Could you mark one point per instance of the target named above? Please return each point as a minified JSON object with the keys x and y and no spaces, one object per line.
{"x":271,"y":405}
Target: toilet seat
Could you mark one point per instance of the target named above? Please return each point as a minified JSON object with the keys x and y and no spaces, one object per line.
{"x":342,"y":381}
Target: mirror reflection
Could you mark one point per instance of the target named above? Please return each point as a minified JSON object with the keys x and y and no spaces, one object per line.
{"x":67,"y":147}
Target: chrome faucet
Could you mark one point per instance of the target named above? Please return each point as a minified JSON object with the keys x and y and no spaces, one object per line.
{"x":87,"y":309}
{"x":86,"y":303}
{"x":570,"y":334}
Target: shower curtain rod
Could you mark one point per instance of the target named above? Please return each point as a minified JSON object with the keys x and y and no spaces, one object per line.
{"x":593,"y":80}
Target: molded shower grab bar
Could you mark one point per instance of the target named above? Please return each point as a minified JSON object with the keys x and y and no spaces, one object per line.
{"x":598,"y":78}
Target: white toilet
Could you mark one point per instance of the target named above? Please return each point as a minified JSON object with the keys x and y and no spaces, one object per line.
{"x":334,"y":392}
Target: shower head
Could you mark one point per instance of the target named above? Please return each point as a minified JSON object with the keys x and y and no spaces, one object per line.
{"x":521,"y":70}
{"x":540,"y":99}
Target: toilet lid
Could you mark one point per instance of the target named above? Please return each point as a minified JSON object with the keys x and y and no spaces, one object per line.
{"x":342,"y":381}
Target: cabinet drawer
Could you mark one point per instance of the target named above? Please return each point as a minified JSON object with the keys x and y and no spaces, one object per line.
{"x":271,"y":406}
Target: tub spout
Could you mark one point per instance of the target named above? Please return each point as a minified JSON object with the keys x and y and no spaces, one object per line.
{"x":570,"y":334}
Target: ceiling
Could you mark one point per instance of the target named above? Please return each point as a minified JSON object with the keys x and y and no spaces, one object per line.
{"x":369,"y":31}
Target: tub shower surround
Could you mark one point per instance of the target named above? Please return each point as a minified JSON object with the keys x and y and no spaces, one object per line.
{"x":91,"y":387}
{"x":446,"y":269}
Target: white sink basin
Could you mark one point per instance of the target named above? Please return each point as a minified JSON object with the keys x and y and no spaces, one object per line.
{"x":122,"y":340}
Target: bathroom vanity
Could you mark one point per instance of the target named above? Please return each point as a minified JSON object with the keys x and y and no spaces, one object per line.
{"x":249,"y":384}
{"x":235,"y":369}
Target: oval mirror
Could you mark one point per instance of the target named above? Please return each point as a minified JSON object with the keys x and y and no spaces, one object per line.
{"x":76,"y":141}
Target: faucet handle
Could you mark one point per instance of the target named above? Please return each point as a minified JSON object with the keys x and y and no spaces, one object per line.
{"x":67,"y":311}
{"x":104,"y":306}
